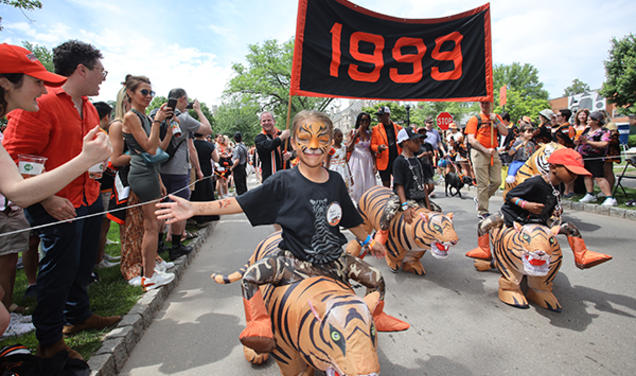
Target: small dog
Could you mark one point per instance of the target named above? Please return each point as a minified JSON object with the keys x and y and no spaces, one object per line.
{"x":453,"y":180}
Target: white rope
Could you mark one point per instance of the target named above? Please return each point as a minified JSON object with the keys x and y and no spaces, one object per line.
{"x":102,"y":213}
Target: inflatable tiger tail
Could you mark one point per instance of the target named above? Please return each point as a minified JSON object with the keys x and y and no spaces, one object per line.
{"x":266,"y":247}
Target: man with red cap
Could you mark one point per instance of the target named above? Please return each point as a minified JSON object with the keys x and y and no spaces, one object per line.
{"x":537,"y":199}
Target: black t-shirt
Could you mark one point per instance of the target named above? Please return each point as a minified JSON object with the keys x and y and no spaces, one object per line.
{"x":409,"y":173}
{"x":204,"y":152}
{"x":534,"y":189}
{"x":309,"y":213}
{"x":427,"y":159}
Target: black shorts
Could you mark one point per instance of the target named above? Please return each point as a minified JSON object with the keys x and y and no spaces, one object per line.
{"x":595,"y":166}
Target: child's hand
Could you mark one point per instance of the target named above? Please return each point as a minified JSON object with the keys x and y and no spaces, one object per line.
{"x":378,"y":250}
{"x":178,"y":210}
{"x":409,"y":215}
{"x":534,"y":207}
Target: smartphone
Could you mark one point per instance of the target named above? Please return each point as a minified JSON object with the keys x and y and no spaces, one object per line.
{"x":172,"y":103}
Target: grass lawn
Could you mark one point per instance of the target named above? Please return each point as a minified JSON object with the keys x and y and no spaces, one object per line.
{"x":111,"y":295}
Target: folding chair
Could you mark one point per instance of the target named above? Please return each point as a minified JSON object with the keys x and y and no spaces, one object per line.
{"x":631,"y":161}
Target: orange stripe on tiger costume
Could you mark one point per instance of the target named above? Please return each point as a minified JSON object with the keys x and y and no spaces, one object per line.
{"x":406,"y":243}
{"x":303,"y":332}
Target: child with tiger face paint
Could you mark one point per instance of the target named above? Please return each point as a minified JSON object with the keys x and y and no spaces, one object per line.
{"x":310,"y":203}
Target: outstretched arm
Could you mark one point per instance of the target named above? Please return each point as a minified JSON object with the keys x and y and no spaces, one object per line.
{"x":181,"y":209}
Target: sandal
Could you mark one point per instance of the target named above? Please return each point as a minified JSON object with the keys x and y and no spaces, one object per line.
{"x":188,"y":236}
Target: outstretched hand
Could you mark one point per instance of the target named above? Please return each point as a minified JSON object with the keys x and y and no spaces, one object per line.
{"x":178,"y":210}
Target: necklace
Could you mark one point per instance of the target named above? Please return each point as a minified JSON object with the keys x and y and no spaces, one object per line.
{"x":557,"y":195}
{"x":420,"y":185}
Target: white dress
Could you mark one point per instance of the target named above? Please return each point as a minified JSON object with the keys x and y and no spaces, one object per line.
{"x":339,"y":164}
{"x":362,"y":168}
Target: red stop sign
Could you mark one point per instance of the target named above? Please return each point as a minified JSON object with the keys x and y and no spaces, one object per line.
{"x":444,"y":119}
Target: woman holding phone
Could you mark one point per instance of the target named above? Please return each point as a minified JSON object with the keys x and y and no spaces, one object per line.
{"x":141,"y":135}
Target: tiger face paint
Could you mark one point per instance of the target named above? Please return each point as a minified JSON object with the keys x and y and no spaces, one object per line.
{"x":311,"y":142}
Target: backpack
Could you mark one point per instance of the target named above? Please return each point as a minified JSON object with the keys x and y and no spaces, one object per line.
{"x":163,"y":129}
{"x":17,"y":360}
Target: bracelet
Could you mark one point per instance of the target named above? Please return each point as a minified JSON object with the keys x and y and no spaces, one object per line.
{"x":366,"y":241}
{"x":523,"y":204}
{"x":371,"y":244}
{"x":517,"y":201}
{"x":404,"y":204}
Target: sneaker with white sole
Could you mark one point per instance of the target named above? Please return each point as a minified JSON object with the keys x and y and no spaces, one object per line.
{"x":609,"y":201}
{"x":157,"y":280}
{"x":135,"y":281}
{"x":588,"y":198}
{"x":106,"y":264}
{"x":163,"y":265}
{"x":111,"y":258}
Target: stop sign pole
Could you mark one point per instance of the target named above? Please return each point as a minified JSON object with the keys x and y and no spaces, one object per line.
{"x":443,"y":120}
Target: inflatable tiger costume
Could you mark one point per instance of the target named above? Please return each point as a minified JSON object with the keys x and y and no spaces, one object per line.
{"x":406,"y":243}
{"x":537,"y":164}
{"x":318,"y":322}
{"x":531,"y":251}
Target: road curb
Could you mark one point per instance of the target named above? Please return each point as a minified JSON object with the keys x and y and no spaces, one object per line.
{"x":120,"y":342}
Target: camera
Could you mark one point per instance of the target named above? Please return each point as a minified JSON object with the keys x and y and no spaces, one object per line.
{"x":190,"y":106}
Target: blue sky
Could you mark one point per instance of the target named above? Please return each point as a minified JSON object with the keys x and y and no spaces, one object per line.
{"x":194,"y":44}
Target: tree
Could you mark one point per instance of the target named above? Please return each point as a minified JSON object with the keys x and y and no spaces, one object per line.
{"x":577,"y":87}
{"x":21,"y":4}
{"x":42,"y":53}
{"x":620,"y":72}
{"x":525,"y":93}
{"x":236,"y":116}
{"x":522,"y":78}
{"x":265,"y":80}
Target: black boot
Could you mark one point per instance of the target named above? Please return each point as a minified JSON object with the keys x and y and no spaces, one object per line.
{"x":178,"y":249}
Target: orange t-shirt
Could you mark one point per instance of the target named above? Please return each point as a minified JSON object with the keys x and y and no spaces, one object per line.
{"x":483,"y":135}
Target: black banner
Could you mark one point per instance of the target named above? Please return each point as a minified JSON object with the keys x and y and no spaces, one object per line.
{"x":344,"y":50}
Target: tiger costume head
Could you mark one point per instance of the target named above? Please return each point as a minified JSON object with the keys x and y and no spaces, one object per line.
{"x":534,"y":245}
{"x":435,"y":229}
{"x":330,"y":327}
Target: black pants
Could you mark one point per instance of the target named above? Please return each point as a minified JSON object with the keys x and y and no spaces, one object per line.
{"x":240,"y":179}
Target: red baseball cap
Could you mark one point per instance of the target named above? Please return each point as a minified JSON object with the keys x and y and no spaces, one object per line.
{"x":569,"y":159}
{"x":15,"y":59}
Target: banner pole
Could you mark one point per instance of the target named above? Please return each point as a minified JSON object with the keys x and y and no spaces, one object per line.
{"x":492,"y":143}
{"x":289,"y":106}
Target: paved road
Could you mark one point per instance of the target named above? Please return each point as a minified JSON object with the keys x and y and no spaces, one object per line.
{"x":458,"y":325}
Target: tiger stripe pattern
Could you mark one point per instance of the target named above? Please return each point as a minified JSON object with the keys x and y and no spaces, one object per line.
{"x":319,"y":323}
{"x":537,"y":164}
{"x":532,"y":252}
{"x":406,"y":243}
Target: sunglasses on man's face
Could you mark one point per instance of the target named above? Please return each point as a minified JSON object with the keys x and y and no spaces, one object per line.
{"x":146,"y":92}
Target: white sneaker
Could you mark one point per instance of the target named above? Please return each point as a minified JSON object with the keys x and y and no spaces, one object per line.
{"x":609,"y":201}
{"x":106,"y":264}
{"x":588,"y":198}
{"x":109,"y":242}
{"x":163,"y":265}
{"x":112,"y":258}
{"x":135,"y":281}
{"x":510,"y":179}
{"x":157,"y":280}
{"x":17,"y":327}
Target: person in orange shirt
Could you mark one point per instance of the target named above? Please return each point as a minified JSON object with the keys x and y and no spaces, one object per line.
{"x":384,"y":144}
{"x":483,"y":133}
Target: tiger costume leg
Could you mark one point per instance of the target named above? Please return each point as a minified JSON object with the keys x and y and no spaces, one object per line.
{"x":481,"y":254}
{"x":509,"y":289}
{"x":583,"y":257}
